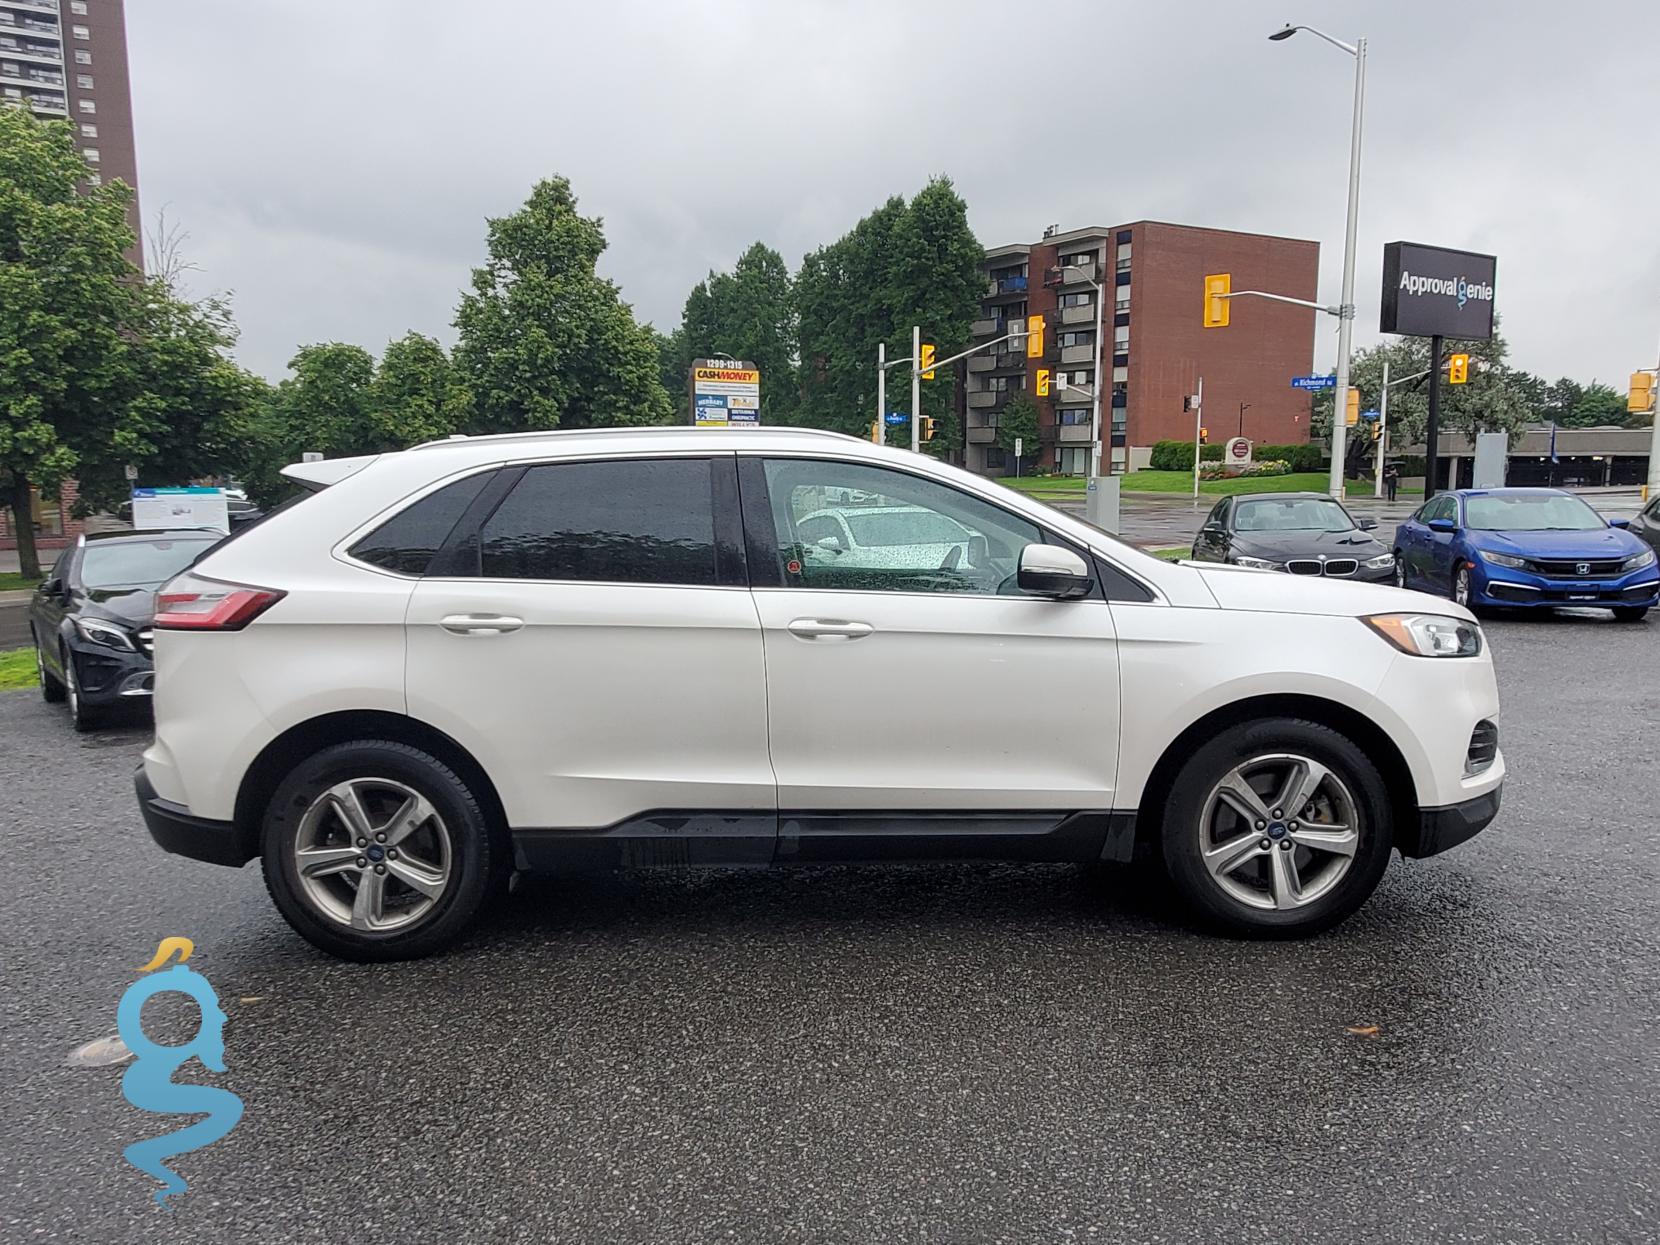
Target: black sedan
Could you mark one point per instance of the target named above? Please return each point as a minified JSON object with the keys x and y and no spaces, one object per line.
{"x":1301,"y":533}
{"x":90,"y":620}
{"x":1647,"y":524}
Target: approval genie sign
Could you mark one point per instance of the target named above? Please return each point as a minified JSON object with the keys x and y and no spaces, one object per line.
{"x":1431,"y":291}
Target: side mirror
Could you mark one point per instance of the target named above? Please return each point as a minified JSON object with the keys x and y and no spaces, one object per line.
{"x":52,"y":587}
{"x":1366,"y":525}
{"x":1053,"y":571}
{"x":979,"y":550}
{"x":831,"y":543}
{"x":1625,"y":523}
{"x":1212,"y":529}
{"x":1441,"y":525}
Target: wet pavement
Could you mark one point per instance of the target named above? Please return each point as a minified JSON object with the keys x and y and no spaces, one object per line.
{"x":959,"y":1054}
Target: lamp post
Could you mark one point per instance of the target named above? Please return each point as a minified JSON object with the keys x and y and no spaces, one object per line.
{"x":1345,"y":306}
{"x":1243,"y":407}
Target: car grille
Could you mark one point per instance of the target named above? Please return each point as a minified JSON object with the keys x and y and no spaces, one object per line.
{"x":1313,"y":566}
{"x":1484,"y":746}
{"x":146,"y":642}
{"x":1568,"y":568}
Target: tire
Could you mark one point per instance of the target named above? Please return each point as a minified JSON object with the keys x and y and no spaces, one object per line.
{"x":82,"y":717}
{"x":1243,"y":900}
{"x":454,"y":844}
{"x":1464,"y":590}
{"x":51,"y":687}
{"x":1630,"y":613}
{"x":1400,"y":570}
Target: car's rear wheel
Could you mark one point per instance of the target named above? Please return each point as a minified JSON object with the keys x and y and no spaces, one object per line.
{"x":51,"y":687}
{"x":1630,"y":613}
{"x":374,"y":850}
{"x":1276,"y":829}
{"x":81,"y":715}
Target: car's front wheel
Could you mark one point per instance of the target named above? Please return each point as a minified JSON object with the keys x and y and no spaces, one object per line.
{"x":1400,"y":570}
{"x":1630,"y":613}
{"x":51,"y":687}
{"x":374,"y":850}
{"x":1276,"y":828}
{"x":81,"y":715}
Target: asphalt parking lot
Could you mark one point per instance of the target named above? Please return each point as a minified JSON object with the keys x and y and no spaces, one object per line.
{"x":964,"y":1054}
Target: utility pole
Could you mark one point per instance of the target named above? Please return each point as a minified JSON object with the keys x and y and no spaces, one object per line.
{"x":881,"y":392}
{"x":916,"y":388}
{"x":1652,"y":488}
{"x":1383,"y":433}
{"x":1198,"y":425}
{"x":1102,"y":356}
{"x":1243,"y":407}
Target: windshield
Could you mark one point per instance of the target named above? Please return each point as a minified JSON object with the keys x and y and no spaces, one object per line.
{"x":1293,"y":514}
{"x":137,"y":564}
{"x":904,"y":527}
{"x":1530,"y":512}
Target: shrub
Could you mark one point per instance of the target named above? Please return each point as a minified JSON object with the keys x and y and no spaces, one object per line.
{"x":1178,"y":455}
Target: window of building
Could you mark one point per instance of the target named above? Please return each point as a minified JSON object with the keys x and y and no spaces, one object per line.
{"x":1072,"y":460}
{"x":406,"y":542}
{"x":1123,"y":238}
{"x":84,"y":81}
{"x":640,"y":521}
{"x":94,"y":179}
{"x":88,"y":130}
{"x":1121,"y":333}
{"x":1077,"y":300}
{"x":87,"y":105}
{"x":997,"y":458}
{"x":1122,"y":306}
{"x":1081,"y":259}
{"x":1072,"y":416}
{"x":1082,"y":376}
{"x":13,"y":93}
{"x":1121,"y":373}
{"x":83,"y":57}
{"x":1123,"y":264}
{"x":78,"y":7}
{"x":80,"y":32}
{"x":91,"y":154}
{"x":1005,"y":384}
{"x":1076,"y":337}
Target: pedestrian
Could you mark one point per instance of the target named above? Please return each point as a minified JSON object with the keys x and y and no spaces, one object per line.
{"x":1391,"y":478}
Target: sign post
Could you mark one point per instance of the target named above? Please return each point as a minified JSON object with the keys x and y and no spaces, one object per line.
{"x":726,"y":393}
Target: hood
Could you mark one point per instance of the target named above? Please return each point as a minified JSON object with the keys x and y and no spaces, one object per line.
{"x":134,"y":606}
{"x":1274,"y":592}
{"x":1606,"y":542}
{"x":1280,"y":546}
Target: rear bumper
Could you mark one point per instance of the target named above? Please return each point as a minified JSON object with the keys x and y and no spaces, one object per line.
{"x":1448,"y":826}
{"x":176,"y":830}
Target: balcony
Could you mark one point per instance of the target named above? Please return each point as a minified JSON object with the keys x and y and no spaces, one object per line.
{"x":991,"y":326}
{"x":1073,"y":434}
{"x":40,"y":6}
{"x":1004,"y":287}
{"x":1007,"y":360}
{"x":1078,"y":354}
{"x":1078,"y":315}
{"x":1078,"y":274}
{"x":980,"y":363}
{"x":13,"y":51}
{"x":28,"y":25}
{"x":28,"y":77}
{"x":983,"y":399}
{"x":982,"y":434}
{"x":1076,"y":393}
{"x":49,"y":105}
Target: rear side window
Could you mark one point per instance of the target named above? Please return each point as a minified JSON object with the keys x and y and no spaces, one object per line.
{"x":406,"y":542}
{"x":639,"y":521}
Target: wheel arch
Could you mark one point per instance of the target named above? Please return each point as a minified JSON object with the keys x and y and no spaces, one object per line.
{"x":1366,"y":734}
{"x":303,"y":739}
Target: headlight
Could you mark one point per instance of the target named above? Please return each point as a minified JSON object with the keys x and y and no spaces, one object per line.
{"x":1638,"y":561}
{"x":1428,"y":635}
{"x":1257,"y":564}
{"x":1502,"y":559}
{"x":96,"y":631}
{"x":1380,"y":563}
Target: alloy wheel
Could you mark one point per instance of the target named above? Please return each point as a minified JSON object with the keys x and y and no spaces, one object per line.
{"x":373,"y":854}
{"x":1279,"y":831}
{"x":1461,"y":587}
{"x":1400,"y":571}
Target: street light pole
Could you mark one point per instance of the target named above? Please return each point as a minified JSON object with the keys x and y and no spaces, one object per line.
{"x":916,"y":388}
{"x":1095,"y":389}
{"x":1346,"y":308}
{"x":1243,"y":407}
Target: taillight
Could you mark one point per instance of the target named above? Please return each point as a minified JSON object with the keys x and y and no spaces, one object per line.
{"x":193,"y":603}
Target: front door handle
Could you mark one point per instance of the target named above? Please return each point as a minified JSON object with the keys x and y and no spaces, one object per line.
{"x":829,"y":629}
{"x":479,"y":624}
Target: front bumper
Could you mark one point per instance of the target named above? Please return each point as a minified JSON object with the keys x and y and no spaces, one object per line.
{"x":175,"y":829}
{"x":1448,"y":826}
{"x":109,"y":676}
{"x":1513,"y":589}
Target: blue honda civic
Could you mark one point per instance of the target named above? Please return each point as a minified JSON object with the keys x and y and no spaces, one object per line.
{"x":1525,"y":547}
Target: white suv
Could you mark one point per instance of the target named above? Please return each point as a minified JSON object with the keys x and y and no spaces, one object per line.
{"x":600,"y":648}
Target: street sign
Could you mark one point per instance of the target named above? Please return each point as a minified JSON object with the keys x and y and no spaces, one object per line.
{"x":1019,"y":447}
{"x":130,"y":471}
{"x":1370,"y":417}
{"x":726,"y":393}
{"x":1238,"y":452}
{"x":895,"y":419}
{"x":1433,"y":291}
{"x":1312,"y":383}
{"x":311,"y":456}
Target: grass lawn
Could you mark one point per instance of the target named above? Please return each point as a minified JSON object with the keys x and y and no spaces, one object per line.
{"x":1172,"y":555}
{"x":12,"y":580}
{"x":1040,"y":485}
{"x":1182,"y":482}
{"x":17,"y":669}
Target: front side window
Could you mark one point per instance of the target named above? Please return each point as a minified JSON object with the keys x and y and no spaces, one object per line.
{"x":406,"y":542}
{"x":903,"y":533}
{"x":636,"y":521}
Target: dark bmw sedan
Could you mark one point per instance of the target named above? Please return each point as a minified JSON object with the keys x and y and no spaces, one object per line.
{"x":1300,"y":533}
{"x":90,"y":619}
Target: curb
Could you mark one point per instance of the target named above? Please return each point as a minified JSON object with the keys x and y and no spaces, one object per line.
{"x":19,"y":596}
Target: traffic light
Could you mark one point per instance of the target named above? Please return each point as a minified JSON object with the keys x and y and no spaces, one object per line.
{"x":1217,"y":287}
{"x":876,"y":432}
{"x":1204,"y":436}
{"x":1043,"y":382}
{"x":1377,"y":429}
{"x":1351,"y":408}
{"x":928,"y":423}
{"x":1034,"y":337}
{"x":1640,"y":399}
{"x":1458,"y":369}
{"x":928,"y":353}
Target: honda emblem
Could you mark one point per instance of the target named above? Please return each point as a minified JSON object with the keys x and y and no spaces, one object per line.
{"x":1584,"y":568}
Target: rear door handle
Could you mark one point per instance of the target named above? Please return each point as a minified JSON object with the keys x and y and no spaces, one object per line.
{"x":829,"y":629}
{"x":480,"y":624}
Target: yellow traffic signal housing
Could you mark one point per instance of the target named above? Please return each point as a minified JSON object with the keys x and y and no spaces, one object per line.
{"x":1204,"y":436}
{"x":1351,"y":409}
{"x":1640,"y":398}
{"x":1458,"y":369}
{"x":1034,"y":337}
{"x":1043,"y":382}
{"x":928,"y":423}
{"x":928,"y":354}
{"x":1377,"y":429}
{"x":876,"y":432}
{"x":1217,"y":287}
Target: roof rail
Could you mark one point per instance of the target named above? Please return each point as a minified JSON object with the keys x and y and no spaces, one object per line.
{"x":640,"y":429}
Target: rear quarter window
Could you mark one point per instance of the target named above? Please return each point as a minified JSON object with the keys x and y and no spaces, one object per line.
{"x":406,"y":542}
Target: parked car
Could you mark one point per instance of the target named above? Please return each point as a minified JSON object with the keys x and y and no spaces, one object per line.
{"x":611,"y":647}
{"x":852,"y":539}
{"x":1301,"y":533}
{"x":90,"y":619}
{"x":1646,"y":526}
{"x":239,"y":512}
{"x":1527,"y":548}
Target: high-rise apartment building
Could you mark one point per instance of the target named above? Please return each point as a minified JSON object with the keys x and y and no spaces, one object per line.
{"x":1152,"y":348}
{"x":67,"y":60}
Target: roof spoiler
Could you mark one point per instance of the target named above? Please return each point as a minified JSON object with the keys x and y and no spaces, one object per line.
{"x":318,"y":475}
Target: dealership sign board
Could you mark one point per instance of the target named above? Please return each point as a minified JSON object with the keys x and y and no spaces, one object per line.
{"x":180,"y":508}
{"x":726,"y":393}
{"x":1430,"y":291}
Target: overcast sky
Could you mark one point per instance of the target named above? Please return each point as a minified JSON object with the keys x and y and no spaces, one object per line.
{"x":333,"y":160}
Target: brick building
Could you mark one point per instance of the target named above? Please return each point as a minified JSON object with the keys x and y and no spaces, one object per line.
{"x":1153,"y":348}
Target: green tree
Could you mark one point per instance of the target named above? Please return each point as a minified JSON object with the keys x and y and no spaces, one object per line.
{"x":671,"y":367}
{"x":545,"y":342}
{"x":417,"y":394}
{"x":100,"y":368}
{"x":905,"y":263}
{"x":1018,"y":421}
{"x":748,"y":313}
